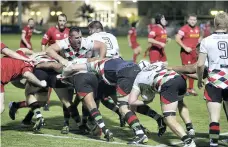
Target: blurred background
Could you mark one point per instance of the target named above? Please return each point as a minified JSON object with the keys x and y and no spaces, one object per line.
{"x":116,"y":15}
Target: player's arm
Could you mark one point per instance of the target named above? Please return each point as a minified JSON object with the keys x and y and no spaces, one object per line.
{"x":26,"y":51}
{"x":45,"y":40}
{"x":201,"y":62}
{"x":133,"y":97}
{"x":28,"y":75}
{"x":179,"y":41}
{"x":98,"y":45}
{"x":186,"y":69}
{"x":36,"y":31}
{"x":53,"y":51}
{"x":129,"y":37}
{"x":23,"y":38}
{"x":151,"y":39}
{"x":15,"y":55}
{"x":51,"y":65}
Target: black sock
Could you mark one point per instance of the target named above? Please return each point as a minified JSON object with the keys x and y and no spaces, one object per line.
{"x":214,"y":131}
{"x":110,"y":104}
{"x":189,"y":126}
{"x":74,"y":114}
{"x":28,"y":117}
{"x":186,"y":139}
{"x":66,"y":115}
{"x":146,"y":110}
{"x":35,"y":107}
{"x":85,"y":114}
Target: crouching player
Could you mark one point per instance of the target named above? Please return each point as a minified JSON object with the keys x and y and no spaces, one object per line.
{"x":171,"y":87}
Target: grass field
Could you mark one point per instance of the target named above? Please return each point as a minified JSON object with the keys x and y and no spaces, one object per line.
{"x":13,"y":135}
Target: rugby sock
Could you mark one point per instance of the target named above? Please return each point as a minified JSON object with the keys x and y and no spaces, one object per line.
{"x":133,"y":122}
{"x":74,"y":114}
{"x":214,"y":131}
{"x":49,"y":95}
{"x":28,"y":117}
{"x":191,"y":83}
{"x":135,"y":57}
{"x":85,"y":114}
{"x":186,"y":139}
{"x":189,"y":126}
{"x":66,"y":115}
{"x":21,"y":104}
{"x":95,"y":113}
{"x":35,"y":107}
{"x":110,"y":104}
{"x":146,"y":110}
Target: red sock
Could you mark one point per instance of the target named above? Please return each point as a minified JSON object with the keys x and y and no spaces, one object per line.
{"x":191,"y":83}
{"x":49,"y":95}
{"x":135,"y":57}
{"x":22,"y":104}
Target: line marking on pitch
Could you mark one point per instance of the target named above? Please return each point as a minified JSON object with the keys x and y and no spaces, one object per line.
{"x":91,"y":139}
{"x":197,"y":138}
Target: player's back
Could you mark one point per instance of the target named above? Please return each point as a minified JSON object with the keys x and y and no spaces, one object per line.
{"x":110,"y":41}
{"x":217,"y":51}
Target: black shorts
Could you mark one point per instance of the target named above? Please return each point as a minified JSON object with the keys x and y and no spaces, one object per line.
{"x":50,"y":77}
{"x":105,"y":90}
{"x":213,"y":94}
{"x":173,"y":90}
{"x":125,"y":79}
{"x":84,"y":83}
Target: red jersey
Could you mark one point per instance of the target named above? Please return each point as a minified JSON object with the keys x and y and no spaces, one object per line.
{"x":133,"y":35}
{"x":190,"y":36}
{"x":206,"y":31}
{"x":28,"y":35}
{"x":3,"y":46}
{"x":150,"y":27}
{"x":159,"y":34}
{"x":53,"y":34}
{"x":13,"y":68}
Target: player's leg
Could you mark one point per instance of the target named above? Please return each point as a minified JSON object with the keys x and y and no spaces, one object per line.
{"x":86,"y":85}
{"x":170,"y":94}
{"x":147,"y":111}
{"x":125,"y":82}
{"x":214,"y":96}
{"x":2,"y":101}
{"x":225,"y":107}
{"x":184,"y":113}
{"x":137,"y":50}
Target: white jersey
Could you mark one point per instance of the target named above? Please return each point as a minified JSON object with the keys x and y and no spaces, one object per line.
{"x":110,"y":41}
{"x":70,"y":53}
{"x":216,"y":48}
{"x":151,"y":78}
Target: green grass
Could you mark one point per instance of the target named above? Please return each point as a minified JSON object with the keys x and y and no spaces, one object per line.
{"x":13,"y":135}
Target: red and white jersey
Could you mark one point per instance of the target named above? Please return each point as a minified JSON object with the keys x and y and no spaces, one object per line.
{"x":159,"y":34}
{"x":110,"y":41}
{"x":154,"y":75}
{"x":70,"y":53}
{"x":53,"y":34}
{"x":216,"y":48}
{"x":149,"y":27}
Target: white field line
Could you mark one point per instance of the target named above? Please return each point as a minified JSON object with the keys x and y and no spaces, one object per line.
{"x":197,"y":138}
{"x":85,"y":139}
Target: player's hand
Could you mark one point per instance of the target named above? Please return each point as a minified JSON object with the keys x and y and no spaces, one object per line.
{"x":169,"y":68}
{"x":200,"y":84}
{"x":162,"y":45}
{"x":64,"y":62}
{"x":188,"y":49}
{"x":28,"y":46}
{"x":43,"y":83}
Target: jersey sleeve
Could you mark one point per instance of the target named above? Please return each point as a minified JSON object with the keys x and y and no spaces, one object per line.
{"x":130,"y":32}
{"x":182,"y":31}
{"x":46,"y":37}
{"x":3,"y":46}
{"x":203,"y":48}
{"x":136,"y":84}
{"x":152,"y":33}
{"x":63,"y":44}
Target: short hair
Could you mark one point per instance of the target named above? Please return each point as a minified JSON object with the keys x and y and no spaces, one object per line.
{"x":63,"y":15}
{"x":133,"y":24}
{"x":221,"y":21}
{"x":96,"y":25}
{"x":74,"y":29}
{"x":30,"y":19}
{"x":192,"y":15}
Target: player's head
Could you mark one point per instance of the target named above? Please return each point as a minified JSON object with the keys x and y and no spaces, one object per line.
{"x":192,"y":20}
{"x":75,"y":37}
{"x":133,"y":24}
{"x":221,"y":21}
{"x":62,"y":20}
{"x":160,"y":19}
{"x":95,"y":27}
{"x":31,"y":23}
